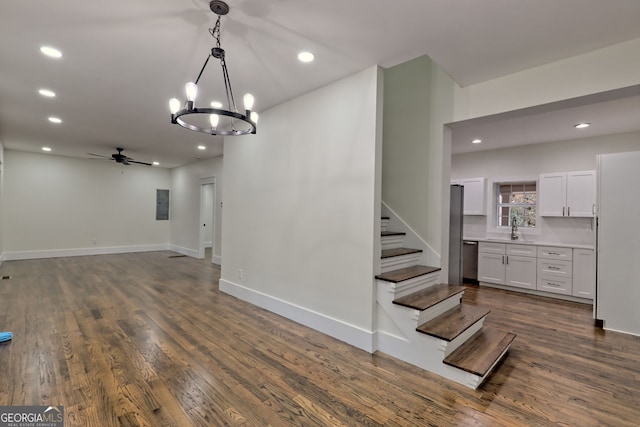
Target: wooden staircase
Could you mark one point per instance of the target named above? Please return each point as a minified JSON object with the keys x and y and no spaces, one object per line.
{"x":425,"y":323}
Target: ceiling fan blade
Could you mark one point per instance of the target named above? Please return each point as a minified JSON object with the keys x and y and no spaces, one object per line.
{"x":100,"y":155}
{"x":140,"y":163}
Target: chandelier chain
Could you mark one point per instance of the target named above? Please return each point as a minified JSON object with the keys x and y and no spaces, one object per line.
{"x":215,"y":33}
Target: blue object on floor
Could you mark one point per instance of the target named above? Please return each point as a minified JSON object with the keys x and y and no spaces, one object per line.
{"x":5,"y":336}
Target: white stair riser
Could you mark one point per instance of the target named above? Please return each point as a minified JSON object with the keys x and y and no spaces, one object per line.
{"x":390,"y":242}
{"x":416,"y":284}
{"x":452,"y":345}
{"x":438,"y":309}
{"x":398,"y":262}
{"x":384,"y":223}
{"x":480,"y":380}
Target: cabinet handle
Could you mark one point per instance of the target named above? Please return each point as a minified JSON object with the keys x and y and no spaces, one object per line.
{"x":563,"y":211}
{"x":507,"y":259}
{"x":554,"y":285}
{"x":569,"y":211}
{"x":551,"y":267}
{"x":503,"y":259}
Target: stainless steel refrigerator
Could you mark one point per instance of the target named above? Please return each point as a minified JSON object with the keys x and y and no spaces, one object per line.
{"x":455,"y":234}
{"x":618,"y":242}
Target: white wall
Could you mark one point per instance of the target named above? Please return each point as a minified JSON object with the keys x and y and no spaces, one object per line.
{"x":185,"y":205}
{"x":610,"y":68}
{"x":304,"y":193}
{"x":418,"y":101}
{"x":529,"y":161}
{"x":1,"y":202}
{"x":58,"y":206}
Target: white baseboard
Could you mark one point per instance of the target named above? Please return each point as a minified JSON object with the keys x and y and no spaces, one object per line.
{"x":335,"y":328}
{"x":184,"y":251}
{"x":217,"y":259}
{"x":106,"y":250}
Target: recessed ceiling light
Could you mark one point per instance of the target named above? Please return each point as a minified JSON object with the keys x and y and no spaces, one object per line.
{"x":201,"y":147}
{"x":46,"y":92}
{"x":582,"y":125}
{"x":156,"y":163}
{"x":476,"y":141}
{"x":46,"y":149}
{"x":55,"y":120}
{"x":306,"y":57}
{"x":216,"y":104}
{"x":51,"y":52}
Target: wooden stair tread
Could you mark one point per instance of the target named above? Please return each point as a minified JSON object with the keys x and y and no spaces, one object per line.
{"x":392,"y":233}
{"x":388,"y":253}
{"x":425,"y":298}
{"x":407,"y":273}
{"x":453,"y":322}
{"x":384,"y":217}
{"x":481,"y":352}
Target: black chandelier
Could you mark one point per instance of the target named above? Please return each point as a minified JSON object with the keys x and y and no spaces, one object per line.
{"x":220,"y":121}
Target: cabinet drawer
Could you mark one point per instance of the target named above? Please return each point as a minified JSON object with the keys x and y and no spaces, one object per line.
{"x":555,"y":268}
{"x":492,"y":248}
{"x":522,"y":250}
{"x":550,"y":252}
{"x":557,"y":285}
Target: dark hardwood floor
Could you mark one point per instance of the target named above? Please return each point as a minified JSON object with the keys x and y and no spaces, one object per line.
{"x":148,"y":340}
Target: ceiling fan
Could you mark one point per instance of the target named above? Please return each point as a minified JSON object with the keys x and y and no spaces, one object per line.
{"x":120,"y":158}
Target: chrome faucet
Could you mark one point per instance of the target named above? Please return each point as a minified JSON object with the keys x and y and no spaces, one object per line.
{"x":514,"y":229}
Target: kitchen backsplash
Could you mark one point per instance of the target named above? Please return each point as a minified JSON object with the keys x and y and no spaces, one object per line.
{"x":576,"y":231}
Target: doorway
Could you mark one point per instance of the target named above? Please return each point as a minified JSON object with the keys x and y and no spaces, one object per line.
{"x":207,"y":225}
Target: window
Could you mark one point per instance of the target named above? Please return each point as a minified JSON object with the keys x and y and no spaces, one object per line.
{"x":516,"y":201}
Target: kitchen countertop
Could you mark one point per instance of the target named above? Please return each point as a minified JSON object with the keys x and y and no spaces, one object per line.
{"x":528,"y":242}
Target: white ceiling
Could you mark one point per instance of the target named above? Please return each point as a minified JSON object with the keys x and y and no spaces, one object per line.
{"x":123,"y":60}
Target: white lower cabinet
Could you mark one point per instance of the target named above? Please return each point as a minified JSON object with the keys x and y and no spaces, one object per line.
{"x":491,"y":268}
{"x":555,"y":269}
{"x":584,"y":273}
{"x":521,"y":271}
{"x":558,"y":270}
{"x":497,"y":264}
{"x":557,"y":285}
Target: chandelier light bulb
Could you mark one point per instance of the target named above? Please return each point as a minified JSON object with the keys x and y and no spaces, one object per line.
{"x":254,"y":117}
{"x":174,"y":105}
{"x":213,"y":118}
{"x":192,"y":91}
{"x":248,"y":101}
{"x":216,"y":104}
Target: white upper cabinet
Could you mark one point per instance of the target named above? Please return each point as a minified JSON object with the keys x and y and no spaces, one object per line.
{"x":474,"y":195}
{"x":581,"y":193}
{"x":567,"y":194}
